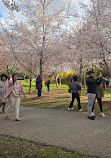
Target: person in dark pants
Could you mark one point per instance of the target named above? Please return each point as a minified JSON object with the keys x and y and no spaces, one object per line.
{"x":58,"y":80}
{"x":47,"y":84}
{"x":99,"y":95}
{"x":39,"y":85}
{"x":91,"y":93}
{"x":74,"y":88}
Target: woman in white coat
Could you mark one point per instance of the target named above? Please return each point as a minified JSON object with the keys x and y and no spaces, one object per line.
{"x":14,"y":95}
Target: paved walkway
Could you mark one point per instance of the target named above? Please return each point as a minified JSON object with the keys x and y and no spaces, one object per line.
{"x":65,"y":129}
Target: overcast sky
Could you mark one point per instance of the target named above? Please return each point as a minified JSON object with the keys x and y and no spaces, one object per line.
{"x":75,"y":8}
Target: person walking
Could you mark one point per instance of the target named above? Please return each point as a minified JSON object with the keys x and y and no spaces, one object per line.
{"x":74,"y":88}
{"x":70,"y":92}
{"x":4,"y":85}
{"x":104,"y":83}
{"x":91,"y":93}
{"x":39,"y":85}
{"x":14,"y":94}
{"x":99,"y":95}
{"x":47,"y":84}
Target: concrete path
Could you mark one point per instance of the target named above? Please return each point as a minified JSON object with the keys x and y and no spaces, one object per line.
{"x":65,"y":129}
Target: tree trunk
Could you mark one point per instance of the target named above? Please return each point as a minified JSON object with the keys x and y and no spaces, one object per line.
{"x":8,"y":73}
{"x":24,"y":78}
{"x":84,"y":80}
{"x":41,"y":68}
{"x":60,"y":81}
{"x":56,"y":83}
{"x":80,"y":73}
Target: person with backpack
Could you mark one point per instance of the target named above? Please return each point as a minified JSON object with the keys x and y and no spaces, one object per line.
{"x":74,"y":88}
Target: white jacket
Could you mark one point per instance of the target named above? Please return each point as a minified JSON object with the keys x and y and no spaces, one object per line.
{"x":4,"y":86}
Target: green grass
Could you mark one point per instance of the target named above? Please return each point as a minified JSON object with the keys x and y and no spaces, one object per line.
{"x":59,"y":98}
{"x":26,"y":86}
{"x":16,"y":148}
{"x":108,"y":91}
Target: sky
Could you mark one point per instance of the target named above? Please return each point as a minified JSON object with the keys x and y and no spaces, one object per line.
{"x":75,"y":8}
{"x":0,"y":15}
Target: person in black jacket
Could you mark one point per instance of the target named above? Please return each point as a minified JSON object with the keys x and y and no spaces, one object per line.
{"x":39,"y":85}
{"x":91,"y":93}
{"x":99,"y":94}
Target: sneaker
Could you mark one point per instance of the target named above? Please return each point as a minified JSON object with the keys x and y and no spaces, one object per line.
{"x":91,"y":118}
{"x":3,"y":112}
{"x":80,"y":110}
{"x":93,"y":114}
{"x":7,"y":118}
{"x":17,"y":119}
{"x":70,"y":108}
{"x":102,"y":114}
{"x":38,"y":97}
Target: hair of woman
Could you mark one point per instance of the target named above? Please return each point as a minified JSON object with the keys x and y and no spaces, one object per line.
{"x":13,"y":78}
{"x":3,"y":75}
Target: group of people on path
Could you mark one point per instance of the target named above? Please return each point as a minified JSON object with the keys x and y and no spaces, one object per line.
{"x":10,"y":93}
{"x":94,"y":91}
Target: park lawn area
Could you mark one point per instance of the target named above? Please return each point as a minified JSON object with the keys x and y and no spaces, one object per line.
{"x":17,"y":148}
{"x":59,"y":98}
{"x":26,"y":86}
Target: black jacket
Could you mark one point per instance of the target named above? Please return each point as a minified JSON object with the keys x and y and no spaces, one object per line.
{"x":91,"y":85}
{"x":47,"y":83}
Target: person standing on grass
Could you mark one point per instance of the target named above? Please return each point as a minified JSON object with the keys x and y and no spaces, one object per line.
{"x":104,"y":83}
{"x":99,"y":95}
{"x":14,"y":94}
{"x":47,"y":84}
{"x":39,"y":85}
{"x":74,"y":88}
{"x":4,"y":85}
{"x":91,"y":93}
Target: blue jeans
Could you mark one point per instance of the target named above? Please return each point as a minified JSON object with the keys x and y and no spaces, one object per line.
{"x":39,"y":92}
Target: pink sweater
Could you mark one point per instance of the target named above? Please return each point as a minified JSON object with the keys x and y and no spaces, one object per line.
{"x":21,"y":89}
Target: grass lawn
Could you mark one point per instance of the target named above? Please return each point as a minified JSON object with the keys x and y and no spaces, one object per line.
{"x":16,"y":148}
{"x":59,"y":98}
